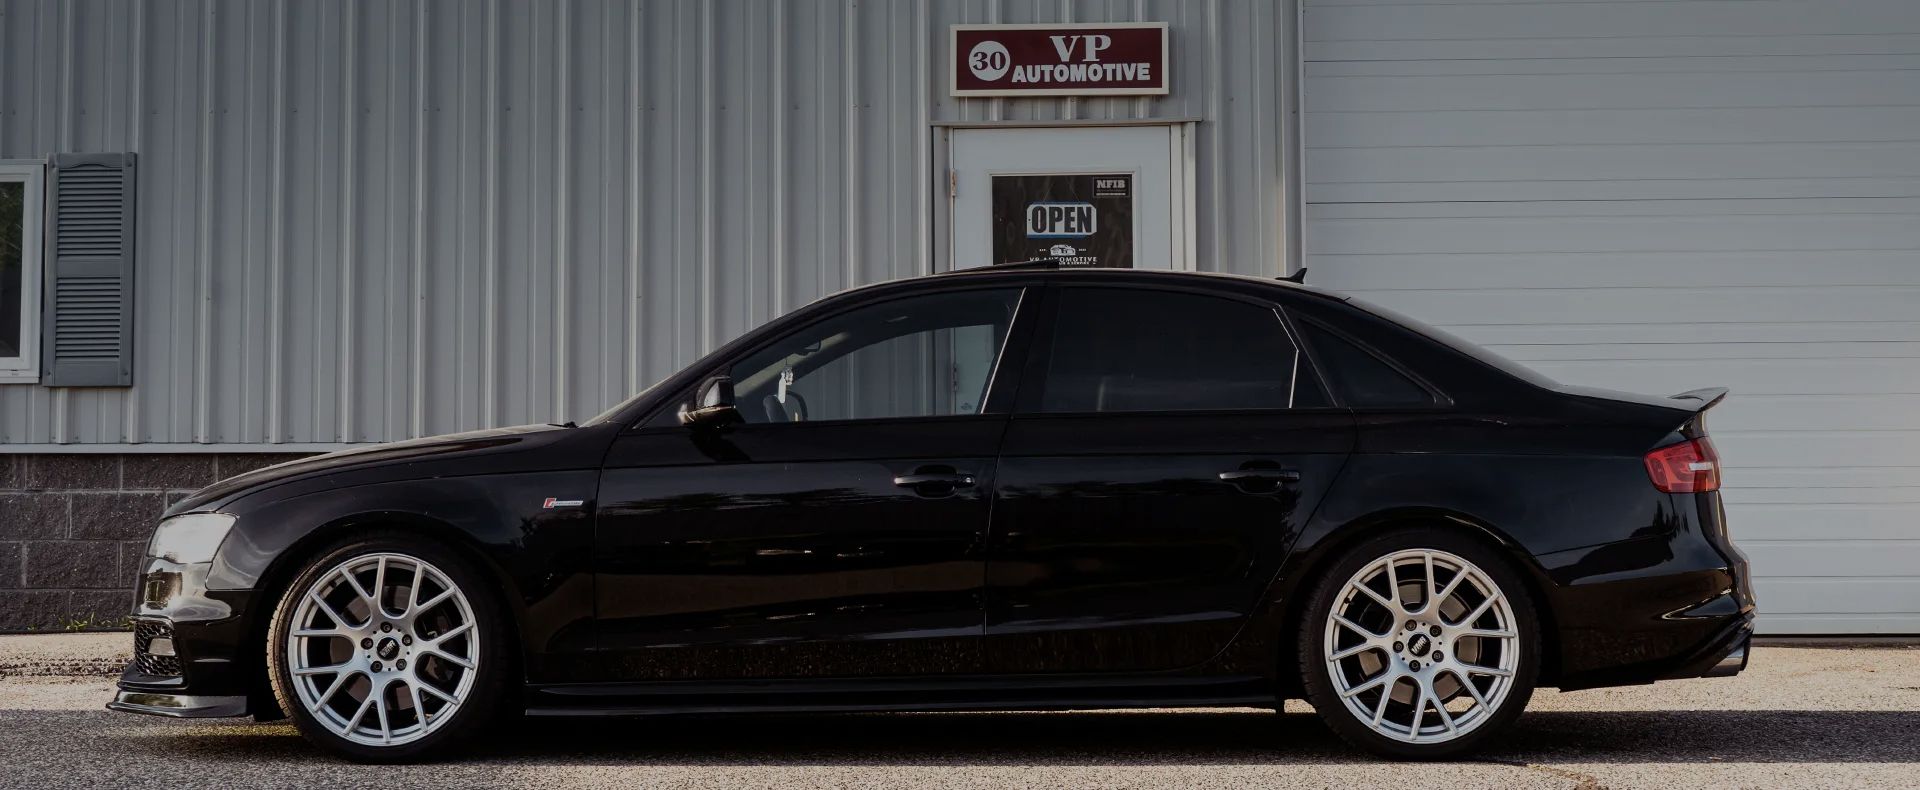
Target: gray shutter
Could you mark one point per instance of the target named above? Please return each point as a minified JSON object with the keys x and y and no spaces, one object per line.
{"x":88,"y":335}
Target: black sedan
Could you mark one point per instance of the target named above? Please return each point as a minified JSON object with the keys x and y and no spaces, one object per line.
{"x":1018,"y":487}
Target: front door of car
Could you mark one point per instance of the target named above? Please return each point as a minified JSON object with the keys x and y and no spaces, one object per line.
{"x":1166,"y":450}
{"x":837,"y":528}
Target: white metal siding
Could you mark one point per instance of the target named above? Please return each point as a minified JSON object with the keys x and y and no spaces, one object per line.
{"x":368,"y":220}
{"x":1658,"y":196}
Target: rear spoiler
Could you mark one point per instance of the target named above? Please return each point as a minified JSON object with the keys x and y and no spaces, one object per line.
{"x":1705,"y":397}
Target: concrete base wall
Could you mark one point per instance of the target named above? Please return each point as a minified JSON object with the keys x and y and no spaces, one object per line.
{"x":73,"y":529}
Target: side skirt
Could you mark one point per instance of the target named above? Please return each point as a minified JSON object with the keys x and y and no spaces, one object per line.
{"x":896,"y":694}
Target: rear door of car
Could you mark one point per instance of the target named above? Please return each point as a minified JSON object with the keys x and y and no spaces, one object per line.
{"x":1166,"y":448}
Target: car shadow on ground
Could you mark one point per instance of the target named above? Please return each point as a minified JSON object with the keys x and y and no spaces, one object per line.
{"x":1111,"y":738}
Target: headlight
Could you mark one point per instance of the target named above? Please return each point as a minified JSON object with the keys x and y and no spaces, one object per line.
{"x":190,"y":537}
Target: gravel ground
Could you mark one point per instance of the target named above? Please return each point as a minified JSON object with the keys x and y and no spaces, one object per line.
{"x":1800,"y":717}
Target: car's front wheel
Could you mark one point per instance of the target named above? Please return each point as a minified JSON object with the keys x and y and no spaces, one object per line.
{"x":1419,"y":644}
{"x":387,"y":648}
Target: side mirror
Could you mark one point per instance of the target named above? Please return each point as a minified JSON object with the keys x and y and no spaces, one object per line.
{"x":713,"y":406}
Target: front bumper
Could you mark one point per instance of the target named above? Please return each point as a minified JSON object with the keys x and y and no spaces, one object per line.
{"x":211,"y":670}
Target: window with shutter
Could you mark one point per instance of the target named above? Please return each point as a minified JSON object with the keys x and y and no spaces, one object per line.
{"x":88,"y":329}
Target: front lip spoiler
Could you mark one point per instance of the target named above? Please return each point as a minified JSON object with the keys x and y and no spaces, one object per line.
{"x":179,"y":706}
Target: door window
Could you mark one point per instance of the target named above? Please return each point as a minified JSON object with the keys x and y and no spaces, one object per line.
{"x":1123,"y":349}
{"x":921,"y":356}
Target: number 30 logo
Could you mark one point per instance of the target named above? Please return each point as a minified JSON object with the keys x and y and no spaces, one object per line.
{"x":989,"y":60}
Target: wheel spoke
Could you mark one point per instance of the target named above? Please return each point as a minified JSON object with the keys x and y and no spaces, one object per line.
{"x":1476,"y":669}
{"x":1477,"y":612}
{"x":321,"y":633}
{"x":447,"y":657}
{"x":1440,"y":709}
{"x":1431,"y":600}
{"x":1393,"y":586}
{"x":327,"y":608}
{"x":1452,"y":584}
{"x":1353,"y":651}
{"x":329,"y":669}
{"x":339,"y":681}
{"x":380,"y":705}
{"x":1355,"y":627}
{"x":357,"y":587}
{"x":419,"y":705}
{"x":1378,"y":597}
{"x":1371,"y":684}
{"x":435,"y":690}
{"x":1471,"y":689}
{"x":380,"y":587}
{"x":1489,"y":634}
{"x":1380,"y":708}
{"x":450,"y":633}
{"x":432,"y":602}
{"x":358,"y":714}
{"x":1419,"y":709}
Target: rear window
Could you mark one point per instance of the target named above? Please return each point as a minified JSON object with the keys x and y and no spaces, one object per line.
{"x":1457,"y":343}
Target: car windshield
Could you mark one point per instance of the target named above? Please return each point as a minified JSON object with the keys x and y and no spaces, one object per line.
{"x":1457,"y":343}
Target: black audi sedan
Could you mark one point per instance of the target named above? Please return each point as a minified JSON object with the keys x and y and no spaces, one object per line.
{"x":1019,"y":487}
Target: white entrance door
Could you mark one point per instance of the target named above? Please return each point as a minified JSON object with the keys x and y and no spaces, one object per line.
{"x":1104,"y":196}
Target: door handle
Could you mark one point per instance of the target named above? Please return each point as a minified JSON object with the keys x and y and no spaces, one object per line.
{"x":926,"y":479}
{"x":1258,"y":475}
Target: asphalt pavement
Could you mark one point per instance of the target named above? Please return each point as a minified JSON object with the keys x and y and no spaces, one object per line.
{"x":1799,"y":717}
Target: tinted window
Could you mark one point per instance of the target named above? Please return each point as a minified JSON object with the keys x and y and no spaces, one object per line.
{"x":1457,"y":343}
{"x":1117,"y":349}
{"x":1362,"y":379}
{"x":920,"y":356}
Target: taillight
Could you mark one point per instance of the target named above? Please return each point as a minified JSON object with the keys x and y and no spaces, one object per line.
{"x":1684,"y":468}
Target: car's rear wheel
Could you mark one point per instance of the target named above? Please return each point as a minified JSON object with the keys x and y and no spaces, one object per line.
{"x":388,"y":648}
{"x":1419,"y":644}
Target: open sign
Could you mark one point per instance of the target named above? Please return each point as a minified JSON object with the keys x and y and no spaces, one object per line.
{"x":1051,"y":220}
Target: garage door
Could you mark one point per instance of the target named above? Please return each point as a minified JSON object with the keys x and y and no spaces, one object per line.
{"x":1659,"y":196}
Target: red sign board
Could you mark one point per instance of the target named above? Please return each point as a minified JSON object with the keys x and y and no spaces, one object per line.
{"x":1099,"y":59}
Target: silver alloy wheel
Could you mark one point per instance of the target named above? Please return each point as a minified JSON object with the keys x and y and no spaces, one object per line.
{"x":383,"y":648}
{"x":1421,"y":646}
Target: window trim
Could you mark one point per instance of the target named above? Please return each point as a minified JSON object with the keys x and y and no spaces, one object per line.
{"x":1040,"y":357}
{"x":25,"y":368}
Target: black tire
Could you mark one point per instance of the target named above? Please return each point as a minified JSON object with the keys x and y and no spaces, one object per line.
{"x":494,"y":649}
{"x":1314,"y":666}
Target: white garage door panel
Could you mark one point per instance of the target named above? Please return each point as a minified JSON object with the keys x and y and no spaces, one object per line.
{"x":1577,"y":46}
{"x":1815,"y":558}
{"x":1611,"y":91}
{"x":1616,"y":127}
{"x":1657,"y":196}
{"x":1666,"y":331}
{"x":1821,"y":522}
{"x":1704,"y":304}
{"x":1621,"y":270}
{"x":1337,"y":21}
{"x":1605,"y":188}
{"x":1574,"y":233}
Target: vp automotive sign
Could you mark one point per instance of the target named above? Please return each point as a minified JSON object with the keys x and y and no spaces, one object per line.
{"x":1102,"y":59}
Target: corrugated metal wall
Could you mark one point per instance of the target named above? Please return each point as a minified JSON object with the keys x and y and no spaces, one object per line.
{"x":363,"y":221}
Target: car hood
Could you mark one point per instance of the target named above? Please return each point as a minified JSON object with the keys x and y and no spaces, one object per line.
{"x":402,"y":452}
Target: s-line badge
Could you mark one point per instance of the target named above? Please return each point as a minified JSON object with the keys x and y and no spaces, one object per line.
{"x":552,"y":503}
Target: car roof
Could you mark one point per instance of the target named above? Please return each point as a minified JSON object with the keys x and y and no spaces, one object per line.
{"x":1050,"y":272}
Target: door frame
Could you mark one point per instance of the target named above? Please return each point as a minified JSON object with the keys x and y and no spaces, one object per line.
{"x":1182,"y":227}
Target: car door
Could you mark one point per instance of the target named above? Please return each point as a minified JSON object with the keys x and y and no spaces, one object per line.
{"x":1166,"y":449}
{"x":838,"y":529}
